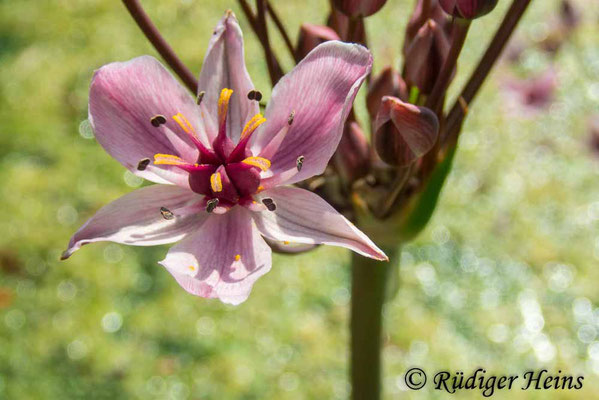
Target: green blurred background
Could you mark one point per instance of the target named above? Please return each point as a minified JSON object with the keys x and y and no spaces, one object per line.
{"x":505,"y":276}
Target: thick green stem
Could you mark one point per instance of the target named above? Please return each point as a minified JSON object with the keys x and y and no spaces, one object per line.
{"x":370,"y":279}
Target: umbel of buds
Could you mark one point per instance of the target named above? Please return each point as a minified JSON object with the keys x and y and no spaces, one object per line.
{"x":468,"y":9}
{"x":404,"y":132}
{"x":354,"y":8}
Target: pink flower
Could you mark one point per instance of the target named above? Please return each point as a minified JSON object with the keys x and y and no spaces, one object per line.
{"x":221,"y":166}
{"x":530,"y":96}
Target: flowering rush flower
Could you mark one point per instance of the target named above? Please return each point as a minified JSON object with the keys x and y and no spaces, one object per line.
{"x":221,"y":166}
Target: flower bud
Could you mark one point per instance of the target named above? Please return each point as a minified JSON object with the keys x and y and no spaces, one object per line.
{"x":311,"y":36}
{"x":404,"y":132}
{"x":339,"y":22}
{"x":420,"y":16}
{"x":468,"y":9}
{"x":387,"y":83}
{"x":354,"y":8}
{"x":425,"y":57}
{"x":352,"y":158}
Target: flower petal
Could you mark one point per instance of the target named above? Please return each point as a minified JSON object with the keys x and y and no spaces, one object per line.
{"x":303,"y":217}
{"x":320,"y":91}
{"x":123,"y":99}
{"x":222,"y":259}
{"x":136,"y":218}
{"x":224,"y":67}
{"x":404,"y":132}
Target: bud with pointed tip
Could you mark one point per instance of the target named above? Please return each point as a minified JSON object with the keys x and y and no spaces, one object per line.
{"x":352,"y":157}
{"x":355,"y":8}
{"x":468,"y":9}
{"x":311,"y":36}
{"x":425,"y":57}
{"x":419,"y":17}
{"x":387,"y":83}
{"x":404,"y":132}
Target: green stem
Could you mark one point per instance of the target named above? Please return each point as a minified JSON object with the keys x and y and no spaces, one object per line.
{"x":370,"y":279}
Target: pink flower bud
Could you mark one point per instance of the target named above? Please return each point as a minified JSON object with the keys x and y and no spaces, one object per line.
{"x":352,"y":158}
{"x":468,"y":9}
{"x":354,"y":8}
{"x":420,"y":16}
{"x":387,"y":83}
{"x":425,"y":57}
{"x":311,"y":36}
{"x":404,"y":132}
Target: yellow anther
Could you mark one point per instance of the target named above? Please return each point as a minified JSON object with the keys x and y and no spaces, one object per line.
{"x":216,"y":182}
{"x":286,"y":242}
{"x":168,"y":159}
{"x":252,"y":124}
{"x":260,"y":188}
{"x":237,"y":257}
{"x":260,"y":162}
{"x":184,"y":124}
{"x":191,"y":268}
{"x":223,"y":105}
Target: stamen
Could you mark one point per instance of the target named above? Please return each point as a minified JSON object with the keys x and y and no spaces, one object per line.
{"x":260,"y":162}
{"x":206,"y":155}
{"x":239,"y":152}
{"x":157,"y":120}
{"x":270,"y":205}
{"x":290,"y":118}
{"x":200,"y":97}
{"x":168,"y":159}
{"x":143,"y":164}
{"x":185,"y":125}
{"x":252,"y":125}
{"x":237,"y":257}
{"x":166,"y":213}
{"x":279,"y":178}
{"x":273,"y":146}
{"x":463,"y":105}
{"x":192,"y":268}
{"x":299,"y":163}
{"x":216,"y":182}
{"x":211,"y":205}
{"x":255,"y":95}
{"x":223,"y":105}
{"x":286,"y":242}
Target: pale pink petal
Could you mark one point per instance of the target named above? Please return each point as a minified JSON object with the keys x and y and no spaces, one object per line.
{"x":136,"y":218}
{"x":124,"y":96}
{"x":319,"y":91}
{"x":224,"y":67}
{"x":303,"y":217}
{"x":222,"y":259}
